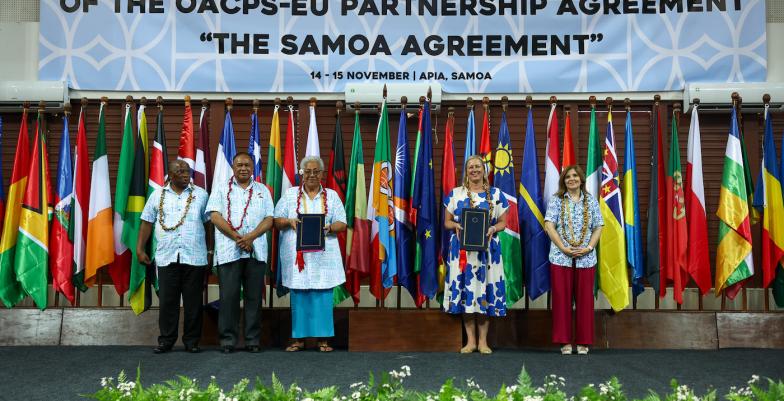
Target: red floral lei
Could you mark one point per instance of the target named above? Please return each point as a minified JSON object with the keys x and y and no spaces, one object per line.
{"x":244,"y":210}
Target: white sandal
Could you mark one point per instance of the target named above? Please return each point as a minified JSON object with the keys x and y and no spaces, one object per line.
{"x":582,"y":350}
{"x":566,"y":349}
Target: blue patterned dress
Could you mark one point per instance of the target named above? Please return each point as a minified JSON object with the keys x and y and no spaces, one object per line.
{"x":480,"y":288}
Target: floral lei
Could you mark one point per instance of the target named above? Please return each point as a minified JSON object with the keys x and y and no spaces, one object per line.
{"x":244,"y":210}
{"x":567,"y":221}
{"x":161,"y":216}
{"x":323,"y":199}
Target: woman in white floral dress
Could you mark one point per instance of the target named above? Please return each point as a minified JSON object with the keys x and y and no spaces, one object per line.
{"x":475,"y":280}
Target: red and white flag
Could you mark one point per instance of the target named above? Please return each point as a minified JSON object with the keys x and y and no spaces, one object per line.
{"x":552,"y":170}
{"x":202,"y":173}
{"x":698,"y":264}
{"x":81,"y":203}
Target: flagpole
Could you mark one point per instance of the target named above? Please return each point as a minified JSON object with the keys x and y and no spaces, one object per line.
{"x":403,"y":102}
{"x":656,"y":100}
{"x":627,"y":105}
{"x":739,"y":106}
{"x":528,"y":105}
{"x":766,"y":103}
{"x":696,"y":103}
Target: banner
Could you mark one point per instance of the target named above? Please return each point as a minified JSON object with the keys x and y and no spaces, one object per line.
{"x":469,"y":46}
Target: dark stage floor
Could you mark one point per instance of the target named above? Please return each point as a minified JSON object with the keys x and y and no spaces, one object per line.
{"x":62,"y":373}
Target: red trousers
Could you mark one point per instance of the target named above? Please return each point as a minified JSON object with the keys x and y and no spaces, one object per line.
{"x":572,"y":284}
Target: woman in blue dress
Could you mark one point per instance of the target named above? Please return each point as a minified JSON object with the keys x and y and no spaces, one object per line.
{"x":475,"y":279}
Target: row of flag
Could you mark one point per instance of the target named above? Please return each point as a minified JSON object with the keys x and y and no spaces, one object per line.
{"x":395,"y":227}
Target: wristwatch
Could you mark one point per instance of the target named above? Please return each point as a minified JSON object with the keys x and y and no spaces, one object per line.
{"x":590,"y":248}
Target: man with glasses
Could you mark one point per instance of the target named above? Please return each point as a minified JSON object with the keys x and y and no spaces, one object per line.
{"x":241,"y":210}
{"x":178,"y":213}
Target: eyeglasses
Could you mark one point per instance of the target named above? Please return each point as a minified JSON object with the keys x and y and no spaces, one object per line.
{"x":311,"y":172}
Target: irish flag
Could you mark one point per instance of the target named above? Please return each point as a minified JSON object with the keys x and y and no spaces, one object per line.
{"x":32,"y":250}
{"x":10,"y":289}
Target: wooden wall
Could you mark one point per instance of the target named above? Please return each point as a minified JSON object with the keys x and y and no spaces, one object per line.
{"x":714,"y":128}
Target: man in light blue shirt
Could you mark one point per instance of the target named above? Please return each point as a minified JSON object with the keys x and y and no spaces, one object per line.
{"x":177,"y":212}
{"x":241,"y":210}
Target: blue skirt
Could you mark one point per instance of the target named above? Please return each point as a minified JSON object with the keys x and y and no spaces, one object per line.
{"x":311,"y":313}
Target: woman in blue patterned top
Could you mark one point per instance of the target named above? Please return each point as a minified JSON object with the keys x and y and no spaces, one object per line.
{"x":475,"y":280}
{"x":574,"y":224}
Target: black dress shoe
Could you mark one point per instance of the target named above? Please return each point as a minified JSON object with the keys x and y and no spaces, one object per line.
{"x":161,"y":349}
{"x":228,"y":349}
{"x":255,"y":349}
{"x":193,"y":350}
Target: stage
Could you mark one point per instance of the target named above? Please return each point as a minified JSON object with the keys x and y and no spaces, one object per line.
{"x":62,"y":373}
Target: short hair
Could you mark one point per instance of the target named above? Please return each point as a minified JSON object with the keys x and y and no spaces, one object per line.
{"x":238,"y":154}
{"x":309,"y":159}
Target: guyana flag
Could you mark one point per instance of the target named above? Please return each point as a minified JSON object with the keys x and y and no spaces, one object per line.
{"x":140,"y":289}
{"x":10,"y":290}
{"x":32,"y":250}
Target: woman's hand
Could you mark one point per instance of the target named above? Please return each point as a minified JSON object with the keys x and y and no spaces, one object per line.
{"x":581,"y":251}
{"x":491,"y":231}
{"x":293,"y":223}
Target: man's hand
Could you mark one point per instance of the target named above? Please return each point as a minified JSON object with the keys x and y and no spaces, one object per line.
{"x":141,"y":255}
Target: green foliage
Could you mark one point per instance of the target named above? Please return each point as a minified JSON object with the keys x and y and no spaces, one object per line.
{"x":389,"y":387}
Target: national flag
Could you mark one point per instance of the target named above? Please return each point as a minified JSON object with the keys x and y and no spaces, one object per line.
{"x":62,"y":247}
{"x":187,"y":150}
{"x":593,"y":167}
{"x":734,"y":261}
{"x":159,"y":170}
{"x":424,"y":201}
{"x":274,"y":177}
{"x":657,"y":196}
{"x":312,"y":148}
{"x":121,"y":268}
{"x":412,"y":214}
{"x":631,"y":211}
{"x":140,"y":296}
{"x":470,"y":144}
{"x":254,"y":145}
{"x":568,"y":147}
{"x":381,"y":213}
{"x":698,"y":263}
{"x":536,"y":244}
{"x":511,"y":250}
{"x":100,"y":237}
{"x":677,"y":231}
{"x":336,"y":181}
{"x":768,"y":201}
{"x":289,"y":178}
{"x":202,"y":171}
{"x":754,"y":217}
{"x":484,"y":145}
{"x":778,"y":281}
{"x":448,"y":183}
{"x":552,"y":170}
{"x":358,"y":233}
{"x":404,"y":229}
{"x":226,"y":152}
{"x":80,"y":205}
{"x":2,"y":191}
{"x":613,"y":280}
{"x":10,"y":289}
{"x":32,"y":250}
